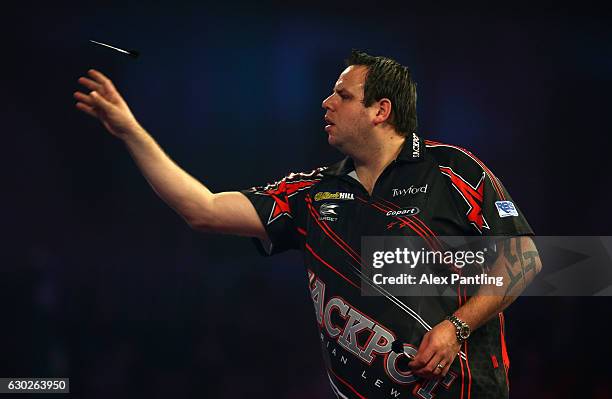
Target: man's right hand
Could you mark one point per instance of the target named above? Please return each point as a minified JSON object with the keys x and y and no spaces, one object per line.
{"x":106,"y":104}
{"x":226,"y":212}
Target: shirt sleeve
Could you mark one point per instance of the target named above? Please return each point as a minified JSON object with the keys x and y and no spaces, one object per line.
{"x":481,"y":198}
{"x":282,"y":209}
{"x":500,"y":212}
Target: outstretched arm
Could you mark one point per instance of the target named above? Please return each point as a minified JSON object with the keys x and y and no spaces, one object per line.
{"x":227,"y":212}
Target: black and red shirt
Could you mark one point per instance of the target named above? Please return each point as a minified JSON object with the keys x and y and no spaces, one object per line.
{"x":325,"y":213}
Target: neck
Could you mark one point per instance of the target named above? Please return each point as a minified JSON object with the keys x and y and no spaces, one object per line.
{"x":376,"y":157}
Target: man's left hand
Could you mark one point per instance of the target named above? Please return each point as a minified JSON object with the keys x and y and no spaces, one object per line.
{"x":438,"y":347}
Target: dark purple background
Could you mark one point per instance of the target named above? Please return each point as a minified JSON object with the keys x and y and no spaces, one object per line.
{"x":106,"y":285}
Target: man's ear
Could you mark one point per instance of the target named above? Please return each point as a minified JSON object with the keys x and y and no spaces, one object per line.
{"x":383,"y":111}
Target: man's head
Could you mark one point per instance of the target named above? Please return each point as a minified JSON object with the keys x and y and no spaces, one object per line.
{"x":386,"y":78}
{"x":371,"y":92}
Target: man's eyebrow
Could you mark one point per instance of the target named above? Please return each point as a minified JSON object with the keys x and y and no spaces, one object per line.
{"x":342,"y":90}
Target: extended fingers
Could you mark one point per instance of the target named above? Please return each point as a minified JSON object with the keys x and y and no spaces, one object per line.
{"x":85,"y":103}
{"x":90,"y":84}
{"x":84,"y":98}
{"x":102,"y":95}
{"x":99,"y":101}
{"x":100,"y":78}
{"x":87,"y":109}
{"x":93,"y":99}
{"x":89,"y":103}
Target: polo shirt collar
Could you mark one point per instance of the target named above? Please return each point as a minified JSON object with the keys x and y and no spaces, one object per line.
{"x":412,"y":151}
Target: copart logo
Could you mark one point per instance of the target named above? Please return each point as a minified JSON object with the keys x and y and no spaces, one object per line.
{"x":412,"y":190}
{"x":326,"y":195}
{"x":410,"y":211}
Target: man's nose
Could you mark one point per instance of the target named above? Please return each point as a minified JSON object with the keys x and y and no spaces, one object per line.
{"x":327,"y":102}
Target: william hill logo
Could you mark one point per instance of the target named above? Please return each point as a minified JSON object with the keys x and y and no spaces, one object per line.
{"x":326,"y":195}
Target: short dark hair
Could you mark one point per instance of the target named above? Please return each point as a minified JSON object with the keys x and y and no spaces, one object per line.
{"x":387,"y":78}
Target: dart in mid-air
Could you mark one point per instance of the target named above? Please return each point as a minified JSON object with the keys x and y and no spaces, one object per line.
{"x":131,"y":53}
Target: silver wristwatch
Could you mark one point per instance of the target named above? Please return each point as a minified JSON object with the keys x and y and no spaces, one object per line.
{"x":462,"y":328}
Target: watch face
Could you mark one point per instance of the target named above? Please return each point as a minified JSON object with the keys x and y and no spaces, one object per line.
{"x":464,"y":332}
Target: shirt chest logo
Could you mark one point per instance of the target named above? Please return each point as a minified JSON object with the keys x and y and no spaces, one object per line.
{"x":326,"y":195}
{"x":412,"y":190}
{"x":328,"y":212}
{"x":410,"y":211}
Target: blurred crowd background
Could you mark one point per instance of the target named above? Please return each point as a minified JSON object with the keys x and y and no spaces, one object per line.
{"x":103,"y":283}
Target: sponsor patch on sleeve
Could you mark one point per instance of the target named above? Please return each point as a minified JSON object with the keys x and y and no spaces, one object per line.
{"x":506,"y":208}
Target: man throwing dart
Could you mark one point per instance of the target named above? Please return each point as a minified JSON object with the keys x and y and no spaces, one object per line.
{"x":392,"y":182}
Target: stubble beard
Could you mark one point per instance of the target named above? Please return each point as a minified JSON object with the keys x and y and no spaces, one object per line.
{"x":351,"y":143}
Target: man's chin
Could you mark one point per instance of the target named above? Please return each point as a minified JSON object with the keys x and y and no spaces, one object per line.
{"x":331,"y":140}
{"x":334,"y":142}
